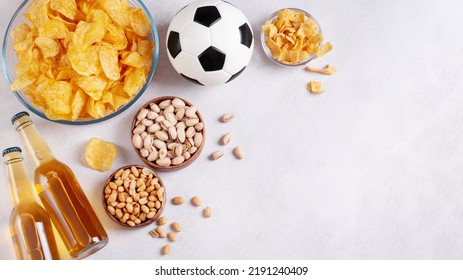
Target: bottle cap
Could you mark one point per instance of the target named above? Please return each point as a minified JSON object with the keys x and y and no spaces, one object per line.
{"x":10,"y":150}
{"x":19,"y":115}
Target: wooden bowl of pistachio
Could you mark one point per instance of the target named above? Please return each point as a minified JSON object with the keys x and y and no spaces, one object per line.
{"x":168,"y":133}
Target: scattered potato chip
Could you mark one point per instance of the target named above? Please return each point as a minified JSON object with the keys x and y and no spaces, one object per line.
{"x":100,"y":154}
{"x":327,"y":70}
{"x":82,"y":59}
{"x":315,"y":87}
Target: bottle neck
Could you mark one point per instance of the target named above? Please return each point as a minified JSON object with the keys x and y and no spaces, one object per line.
{"x":20,"y":185}
{"x":35,"y":146}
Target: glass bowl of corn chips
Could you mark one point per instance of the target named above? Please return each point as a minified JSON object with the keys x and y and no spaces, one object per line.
{"x":80,"y":61}
{"x":291,"y":37}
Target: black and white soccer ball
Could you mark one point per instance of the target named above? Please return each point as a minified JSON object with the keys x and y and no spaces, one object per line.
{"x":210,"y":42}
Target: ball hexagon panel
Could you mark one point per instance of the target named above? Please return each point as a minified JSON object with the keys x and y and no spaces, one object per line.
{"x":229,"y":11}
{"x":188,"y":65}
{"x":225,"y":35}
{"x":207,"y":15}
{"x":240,"y":56}
{"x":196,"y":44}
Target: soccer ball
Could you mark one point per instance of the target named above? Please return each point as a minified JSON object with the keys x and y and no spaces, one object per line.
{"x":209,"y":42}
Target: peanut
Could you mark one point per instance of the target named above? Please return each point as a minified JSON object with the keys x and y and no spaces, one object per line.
{"x":175,"y":227}
{"x":166,"y":249}
{"x":195,"y":201}
{"x":207,"y":212}
{"x":178,"y":200}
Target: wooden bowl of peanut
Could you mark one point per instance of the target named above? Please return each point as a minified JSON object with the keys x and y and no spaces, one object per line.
{"x":134,"y":196}
{"x":168,"y":133}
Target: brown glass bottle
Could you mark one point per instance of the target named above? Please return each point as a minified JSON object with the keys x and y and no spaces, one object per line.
{"x":30,"y":227}
{"x":61,"y":194}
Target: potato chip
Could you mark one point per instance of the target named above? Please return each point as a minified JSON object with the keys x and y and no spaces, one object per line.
{"x":292,"y":37}
{"x":58,"y":97}
{"x":78,"y":104}
{"x":90,"y":109}
{"x":115,"y":36}
{"x":133,"y":59}
{"x":37,"y":12}
{"x":65,"y":74}
{"x":134,"y":81}
{"x":92,"y":85}
{"x":109,"y":59}
{"x":315,"y":87}
{"x":100,"y":154}
{"x":87,"y":34}
{"x":140,"y":22}
{"x":23,"y":81}
{"x":47,"y":46}
{"x":26,"y":44}
{"x":68,"y":8}
{"x":54,"y":29}
{"x":117,"y":11}
{"x":81,"y":59}
{"x":107,"y":98}
{"x":20,"y":32}
{"x":85,"y":62}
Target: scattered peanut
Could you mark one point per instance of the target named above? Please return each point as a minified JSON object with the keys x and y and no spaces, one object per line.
{"x":171,"y":236}
{"x":175,"y":227}
{"x":161,"y":221}
{"x":165,"y":250}
{"x":238,"y":152}
{"x":207,"y":212}
{"x":195,"y":201}
{"x":154,"y":233}
{"x":161,"y":232}
{"x":128,"y":198}
{"x":178,"y":200}
{"x":167,"y":138}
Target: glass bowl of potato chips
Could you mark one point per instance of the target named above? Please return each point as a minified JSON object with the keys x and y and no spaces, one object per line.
{"x":291,"y":37}
{"x":80,"y":61}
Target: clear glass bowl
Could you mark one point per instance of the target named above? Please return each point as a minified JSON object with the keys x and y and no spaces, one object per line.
{"x":263,"y":38}
{"x":9,"y":61}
